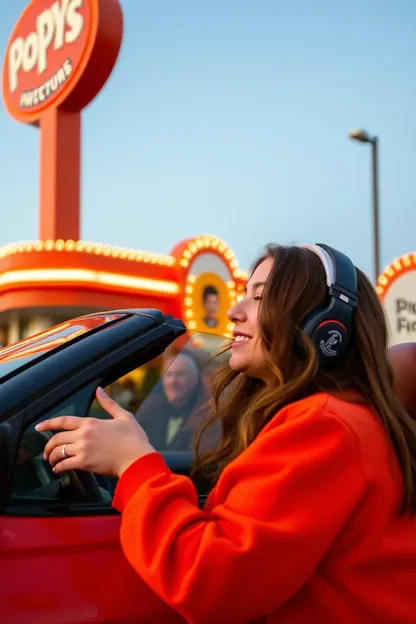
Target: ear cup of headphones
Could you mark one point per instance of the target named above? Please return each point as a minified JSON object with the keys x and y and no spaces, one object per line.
{"x":330,"y":326}
{"x":329,"y":334}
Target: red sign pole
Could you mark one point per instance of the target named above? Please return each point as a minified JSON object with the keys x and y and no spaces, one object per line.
{"x":60,"y":172}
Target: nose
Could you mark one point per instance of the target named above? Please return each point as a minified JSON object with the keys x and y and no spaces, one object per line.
{"x":237,"y":313}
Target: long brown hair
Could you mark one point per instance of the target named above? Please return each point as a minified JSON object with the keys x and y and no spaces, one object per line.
{"x":243,"y":405}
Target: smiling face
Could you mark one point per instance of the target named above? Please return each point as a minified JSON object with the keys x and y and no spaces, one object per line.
{"x":247,"y":352}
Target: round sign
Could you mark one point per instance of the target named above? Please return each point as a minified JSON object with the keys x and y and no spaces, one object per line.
{"x":50,"y":50}
{"x":399,"y":300}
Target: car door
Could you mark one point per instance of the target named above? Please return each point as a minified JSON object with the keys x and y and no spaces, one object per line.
{"x":60,"y":557}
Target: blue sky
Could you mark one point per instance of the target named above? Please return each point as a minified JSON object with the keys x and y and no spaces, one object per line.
{"x":231,"y":117}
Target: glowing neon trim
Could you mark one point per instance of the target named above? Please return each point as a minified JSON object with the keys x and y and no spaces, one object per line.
{"x":86,"y":276}
{"x":392,"y":271}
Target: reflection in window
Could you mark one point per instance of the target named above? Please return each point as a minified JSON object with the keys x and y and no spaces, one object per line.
{"x":171,"y":396}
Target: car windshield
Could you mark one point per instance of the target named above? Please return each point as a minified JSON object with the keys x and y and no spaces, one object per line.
{"x":170,"y":396}
{"x":25,"y":351}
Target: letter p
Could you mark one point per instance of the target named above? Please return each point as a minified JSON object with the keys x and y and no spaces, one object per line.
{"x":15,"y":62}
{"x":45,"y":28}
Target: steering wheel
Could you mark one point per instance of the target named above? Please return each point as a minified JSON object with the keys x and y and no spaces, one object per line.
{"x":82,"y":482}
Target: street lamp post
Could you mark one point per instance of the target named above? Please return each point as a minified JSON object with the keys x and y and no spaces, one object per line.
{"x":364,"y":137}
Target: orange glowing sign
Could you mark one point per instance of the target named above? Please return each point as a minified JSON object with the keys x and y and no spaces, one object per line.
{"x":53,"y":47}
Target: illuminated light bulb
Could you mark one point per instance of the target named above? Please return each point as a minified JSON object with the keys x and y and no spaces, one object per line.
{"x":189,"y":314}
{"x":189,"y":290}
{"x":193,"y":248}
{"x":192,"y":279}
{"x":184,"y":263}
{"x":188,"y":301}
{"x":192,"y":325}
{"x":187,"y":254}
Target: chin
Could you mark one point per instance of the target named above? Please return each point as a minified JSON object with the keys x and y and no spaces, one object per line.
{"x":242,"y":366}
{"x":237,"y":364}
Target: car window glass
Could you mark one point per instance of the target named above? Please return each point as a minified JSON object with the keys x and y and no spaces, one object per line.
{"x":170,"y":397}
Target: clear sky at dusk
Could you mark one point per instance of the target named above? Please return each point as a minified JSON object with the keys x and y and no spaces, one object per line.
{"x":231,"y":117}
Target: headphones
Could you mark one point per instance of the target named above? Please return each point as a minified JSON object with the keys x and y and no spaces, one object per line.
{"x":330,"y":326}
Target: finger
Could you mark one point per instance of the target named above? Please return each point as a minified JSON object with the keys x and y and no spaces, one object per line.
{"x":110,"y":406}
{"x":57,"y":456}
{"x":66,"y":437}
{"x":71,"y":463}
{"x":68,"y":423}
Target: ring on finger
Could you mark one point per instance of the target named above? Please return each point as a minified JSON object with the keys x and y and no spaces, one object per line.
{"x":63,"y":451}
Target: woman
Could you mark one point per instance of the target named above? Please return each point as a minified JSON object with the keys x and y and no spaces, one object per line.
{"x":312,"y":515}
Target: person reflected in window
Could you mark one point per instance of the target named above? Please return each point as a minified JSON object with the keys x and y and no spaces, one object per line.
{"x":164,"y":415}
{"x":211,"y":304}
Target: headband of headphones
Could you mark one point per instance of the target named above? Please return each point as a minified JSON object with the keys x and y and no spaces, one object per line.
{"x":330,"y":326}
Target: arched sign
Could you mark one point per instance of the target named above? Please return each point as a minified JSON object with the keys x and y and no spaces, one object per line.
{"x":396,"y":288}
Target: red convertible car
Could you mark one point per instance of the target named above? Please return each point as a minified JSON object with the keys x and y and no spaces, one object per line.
{"x":60,"y":557}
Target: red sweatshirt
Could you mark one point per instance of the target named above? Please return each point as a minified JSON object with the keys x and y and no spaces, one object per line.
{"x":302,"y":528}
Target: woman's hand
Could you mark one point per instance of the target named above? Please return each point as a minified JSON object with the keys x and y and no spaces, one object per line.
{"x":106,"y":447}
